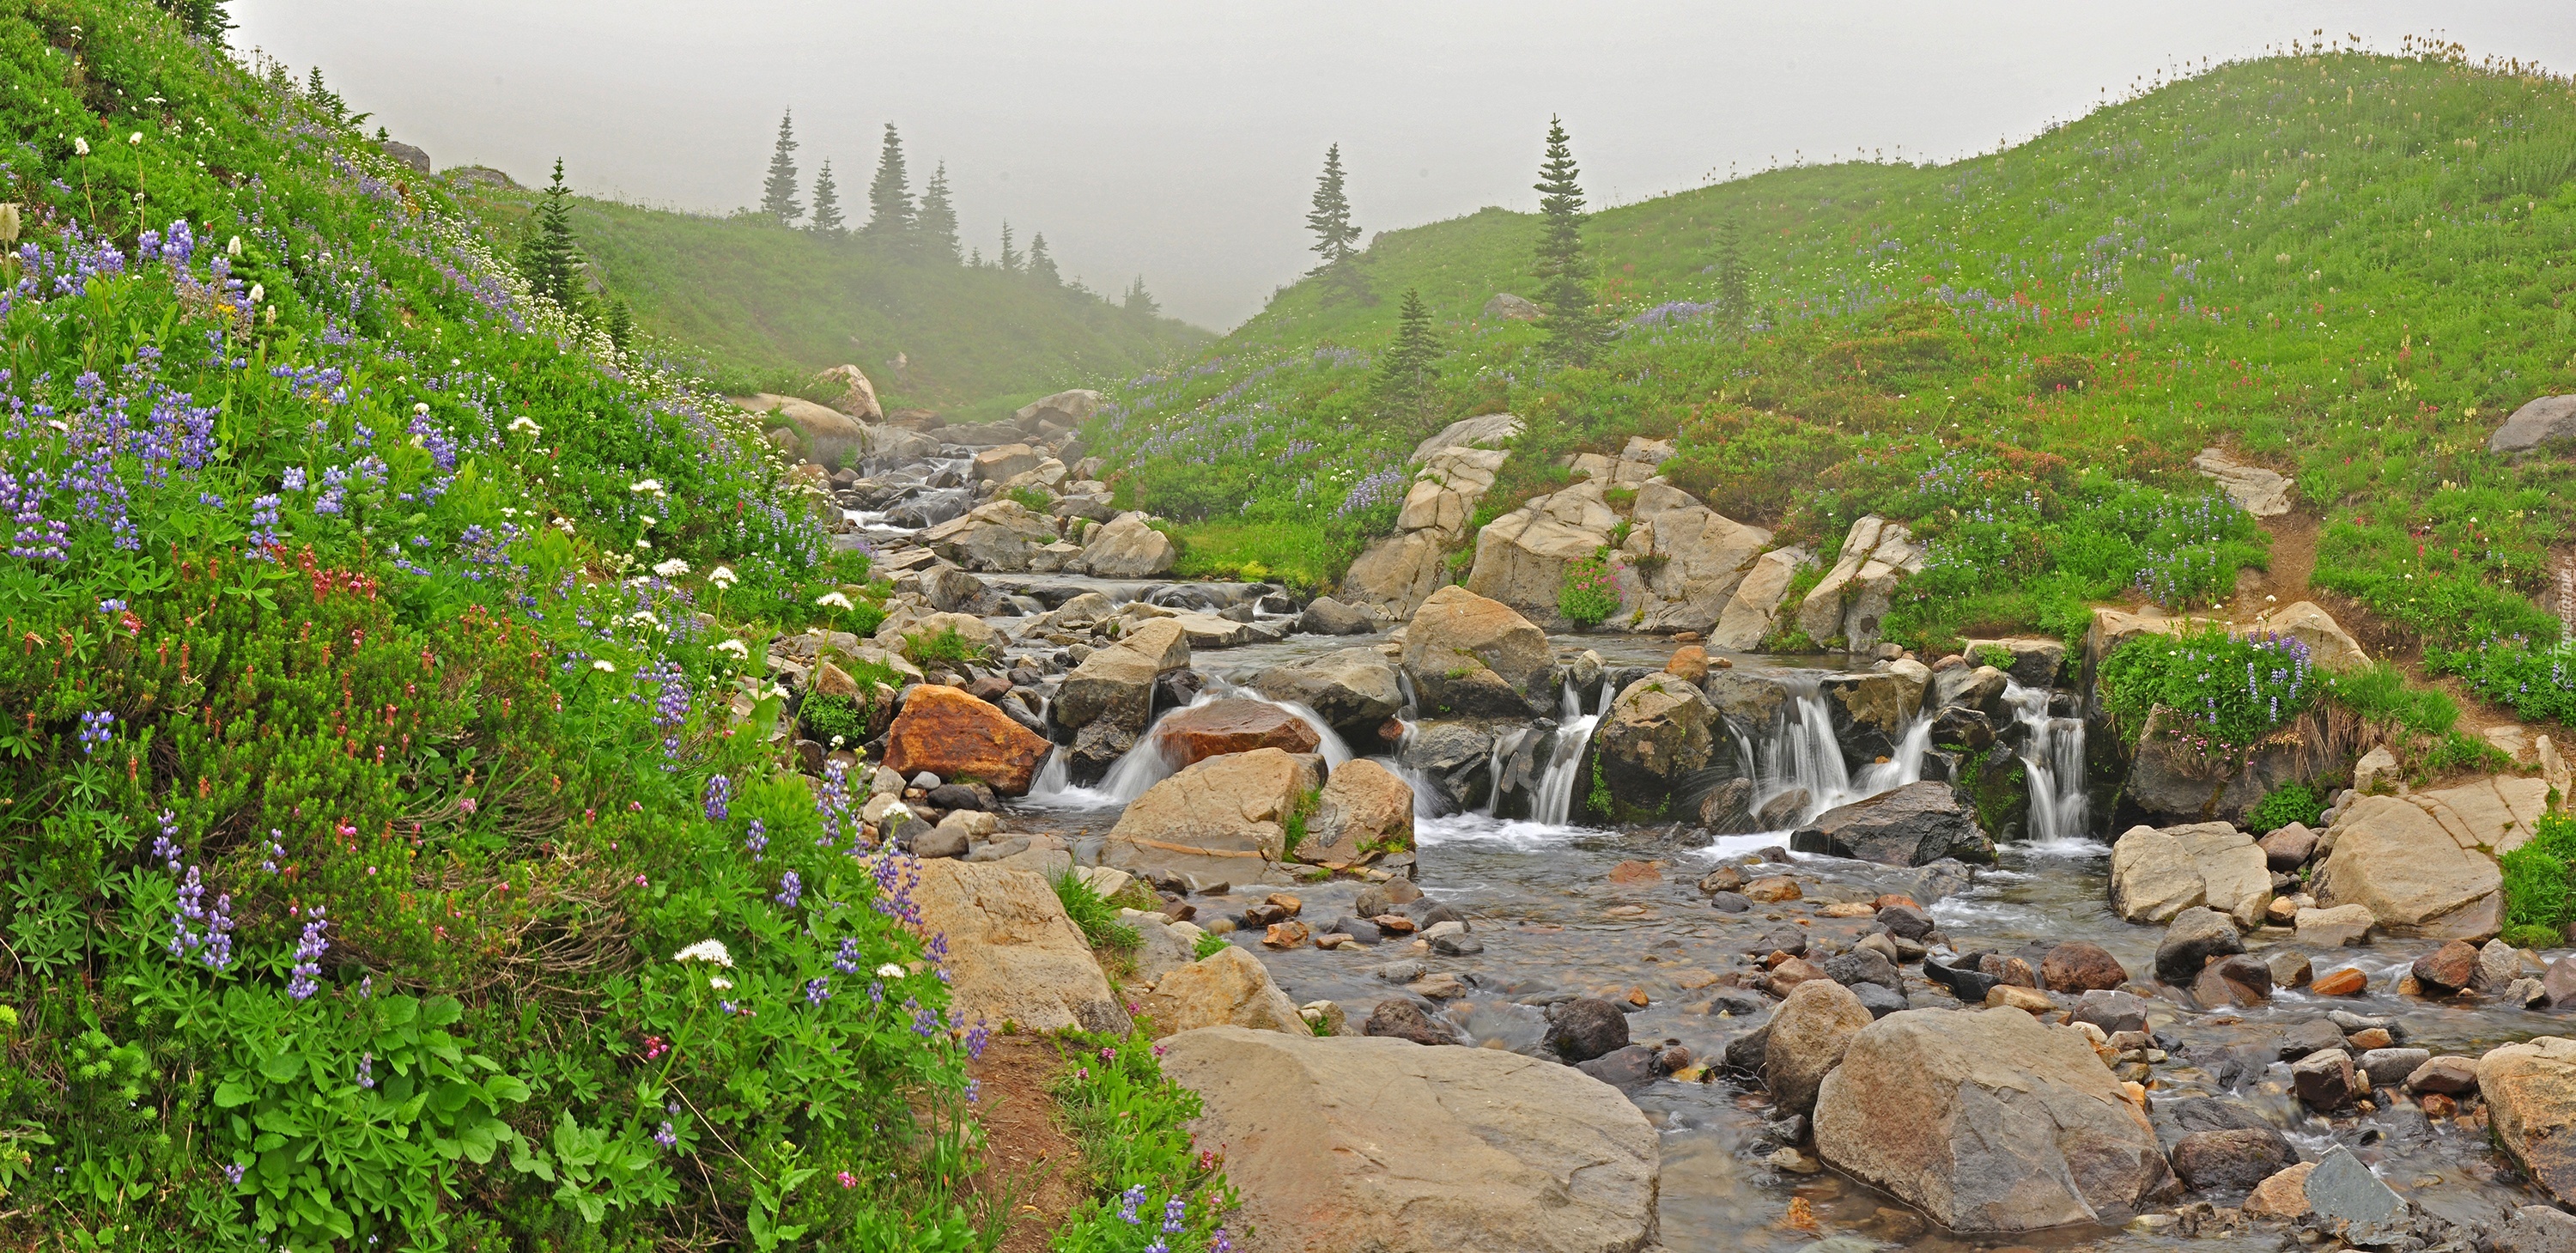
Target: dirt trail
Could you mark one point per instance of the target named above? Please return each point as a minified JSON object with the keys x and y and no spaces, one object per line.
{"x":1029,"y":1162}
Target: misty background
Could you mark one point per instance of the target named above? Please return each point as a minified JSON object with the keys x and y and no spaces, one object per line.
{"x":1180,"y":141}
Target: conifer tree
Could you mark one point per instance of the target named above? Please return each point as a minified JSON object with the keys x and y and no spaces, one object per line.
{"x":1562,"y":270}
{"x":937,"y":220}
{"x":328,"y":99}
{"x":1731,"y":298}
{"x":1138,"y":303}
{"x":621,"y":323}
{"x":1010,"y":257}
{"x":827,"y":203}
{"x":549,"y":259}
{"x":975,"y":259}
{"x":1404,"y":372}
{"x":890,"y":214}
{"x":1330,"y":217}
{"x":778,"y":195}
{"x":202,"y":19}
{"x":1042,"y":266}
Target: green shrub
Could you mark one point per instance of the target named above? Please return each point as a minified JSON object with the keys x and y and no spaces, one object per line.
{"x":946,"y":647}
{"x":2291,"y":802}
{"x":1996,"y":655}
{"x":2538,"y":895}
{"x":833,"y":720}
{"x":1294,"y":827}
{"x":1209,"y":945}
{"x":1590,"y":592}
{"x":1094,"y":915}
{"x":1033,"y":499}
{"x":1144,"y":1178}
{"x":2224,"y":694}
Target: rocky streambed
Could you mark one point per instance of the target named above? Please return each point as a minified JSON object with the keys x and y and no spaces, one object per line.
{"x":1524,"y":940}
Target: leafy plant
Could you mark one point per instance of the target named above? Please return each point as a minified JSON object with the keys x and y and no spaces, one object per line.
{"x":946,"y":647}
{"x":1147,"y":1183}
{"x":1209,"y":945}
{"x":834,"y":720}
{"x":1093,"y":914}
{"x":1996,"y":655}
{"x":1589,"y":592}
{"x":2222,"y":694}
{"x":2291,"y":802}
{"x":2539,"y":895}
{"x":1033,"y":499}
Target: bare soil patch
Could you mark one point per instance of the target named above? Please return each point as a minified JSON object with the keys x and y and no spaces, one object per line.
{"x":1030,"y":1164}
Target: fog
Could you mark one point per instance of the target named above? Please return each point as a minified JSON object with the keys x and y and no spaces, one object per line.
{"x":1180,"y":141}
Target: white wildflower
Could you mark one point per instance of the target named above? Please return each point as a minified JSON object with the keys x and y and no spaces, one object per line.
{"x":740,"y":650}
{"x":421,"y":408}
{"x":833,"y":600}
{"x":258,"y":293}
{"x":232,"y":248}
{"x":645,"y":618}
{"x":890,"y":971}
{"x":720,"y":983}
{"x":525,"y":423}
{"x":672,"y":568}
{"x":651,"y":486}
{"x":722,"y":576}
{"x":705,"y":951}
{"x":135,"y":138}
{"x":80,"y":146}
{"x":604,"y":666}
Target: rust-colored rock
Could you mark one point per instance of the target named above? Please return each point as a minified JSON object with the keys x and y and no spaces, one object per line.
{"x":962,"y":739}
{"x":1690,"y":661}
{"x":2348,"y":981}
{"x":2080,"y":966}
{"x":2448,"y":968}
{"x":1773,"y":890}
{"x":2283,"y":1196}
{"x":1285,"y":935}
{"x":1637,"y":872}
{"x":1231,"y":726}
{"x":1794,"y":971}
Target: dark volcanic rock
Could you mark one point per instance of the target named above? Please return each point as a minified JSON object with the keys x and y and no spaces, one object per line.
{"x":1964,"y":982}
{"x":1586,"y":1028}
{"x":2196,"y":935}
{"x":1910,"y":826}
{"x":2232,"y":1161}
{"x":1405,"y":1021}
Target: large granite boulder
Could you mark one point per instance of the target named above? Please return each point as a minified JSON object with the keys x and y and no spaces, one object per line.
{"x":1363,"y":813}
{"x":858,"y":395}
{"x":1013,"y":955}
{"x":1238,"y":725}
{"x":1375,"y":1142}
{"x":963,"y":739}
{"x":2418,"y":875}
{"x":1659,"y":731}
{"x":1394,"y":575}
{"x":1809,"y":1034}
{"x":2156,"y":874}
{"x":2329,"y":645}
{"x":2530,"y":1091}
{"x":1108,"y":700}
{"x":1914,"y":825}
{"x":1127,"y":547}
{"x":1693,"y":557}
{"x":2537,"y":423}
{"x":1861,"y":588}
{"x":1454,"y":758}
{"x":1227,"y":988}
{"x":1475,"y":656}
{"x":1354,"y":691}
{"x":1869,"y":712}
{"x":1004,"y":462}
{"x":1224,"y":818}
{"x":1988,"y":1121}
{"x":1066,"y":408}
{"x":2170,"y":777}
{"x":1522,"y":557}
{"x":823,"y":435}
{"x":2263,"y":493}
{"x":998,"y":535}
{"x":1753,"y":610}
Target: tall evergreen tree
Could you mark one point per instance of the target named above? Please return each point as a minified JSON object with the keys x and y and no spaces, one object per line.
{"x":621,"y":323}
{"x":202,"y":19}
{"x":975,"y":259}
{"x":549,"y":258}
{"x":890,"y":214}
{"x":328,"y":99}
{"x":937,"y":220}
{"x":1404,"y":372}
{"x":1010,"y":256}
{"x":827,"y":203}
{"x":1138,"y":302}
{"x":1563,"y":272}
{"x":1731,"y":298}
{"x":1330,"y":217}
{"x":778,"y":195}
{"x":1042,"y":266}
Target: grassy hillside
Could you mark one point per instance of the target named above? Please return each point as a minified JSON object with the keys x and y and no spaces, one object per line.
{"x":2347,"y":267}
{"x":774,"y":305}
{"x":380,"y":865}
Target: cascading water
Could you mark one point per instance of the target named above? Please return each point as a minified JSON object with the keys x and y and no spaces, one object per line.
{"x":1138,"y":769}
{"x":2052,"y":754}
{"x":1802,"y":755}
{"x":1554,"y":802}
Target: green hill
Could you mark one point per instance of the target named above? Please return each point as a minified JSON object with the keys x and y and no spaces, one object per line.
{"x":2346,"y":267}
{"x":771,"y":306}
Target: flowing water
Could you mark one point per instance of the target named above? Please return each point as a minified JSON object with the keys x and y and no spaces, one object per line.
{"x":1555,"y":923}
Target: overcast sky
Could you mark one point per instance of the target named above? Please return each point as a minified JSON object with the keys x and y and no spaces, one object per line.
{"x":1180,"y":140}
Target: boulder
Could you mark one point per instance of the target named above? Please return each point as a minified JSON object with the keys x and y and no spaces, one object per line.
{"x":1914,"y":825}
{"x":1694,"y":558}
{"x":998,"y":535}
{"x":2325,"y":1079}
{"x":2170,"y":777}
{"x":2231,"y":1161}
{"x":1394,"y":575}
{"x":1227,"y":988}
{"x":1471,"y":655}
{"x":1223,"y":819}
{"x":1513,"y":308}
{"x":1065,"y":408}
{"x":2389,"y":1067}
{"x":1363,"y":813}
{"x":1013,"y":955}
{"x":2288,"y":848}
{"x":2339,"y":927}
{"x":1752,"y":611}
{"x":2081,"y":966}
{"x":1870,"y":712}
{"x":1238,"y":725}
{"x":1327,"y":616}
{"x":2417,"y":877}
{"x":1522,"y":557}
{"x":2153,"y":877}
{"x":2351,"y":1202}
{"x":1354,"y":691}
{"x":2242,"y":980}
{"x":409,"y":155}
{"x":1402,"y":1019}
{"x":858,"y":395}
{"x":2282,"y":1196}
{"x":2329,"y":645}
{"x":2035,"y":662}
{"x":955,"y":736}
{"x":1861,"y":588}
{"x":2539,"y":422}
{"x":1345,"y":1142}
{"x":2196,"y":935}
{"x":1658,"y":731}
{"x":1454,"y":758}
{"x":825,"y":436}
{"x":2530,"y":1091}
{"x":1809,"y":1033}
{"x":2113,"y":1012}
{"x":2257,"y":491}
{"x":1585,"y":1028}
{"x":1988,"y":1121}
{"x":2449,"y":1075}
{"x":1127,"y":547}
{"x":1006,"y":461}
{"x":2537,"y":1229}
{"x":1117,"y":682}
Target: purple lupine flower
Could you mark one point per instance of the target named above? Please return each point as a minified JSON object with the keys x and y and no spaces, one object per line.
{"x":974,"y":1090}
{"x":719,"y":798}
{"x":1173,"y":1211}
{"x":366,"y":1070}
{"x":791,"y":888}
{"x":96,"y":726}
{"x":818,"y":990}
{"x":232,"y":1173}
{"x":977,"y":1037}
{"x":300,"y":983}
{"x":668,"y":1136}
{"x":847,"y":960}
{"x":756,"y":839}
{"x":1127,"y":1203}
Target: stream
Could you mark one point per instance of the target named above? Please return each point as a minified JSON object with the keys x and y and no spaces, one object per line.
{"x":1556,"y":923}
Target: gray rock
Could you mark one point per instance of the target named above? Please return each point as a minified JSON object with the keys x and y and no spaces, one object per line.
{"x":1863,"y":965}
{"x":1327,"y":616}
{"x":1747,"y":1053}
{"x":2351,"y":1202}
{"x":1405,"y":971}
{"x":1585,"y":1028}
{"x":1880,"y":1001}
{"x":939,"y":841}
{"x":1402,"y":1019}
{"x":2537,"y":1229}
{"x":1909,"y":826}
{"x":407,"y":154}
{"x":1354,"y":690}
{"x":2311,"y":1036}
{"x":2113,"y":1012}
{"x":2539,"y":422}
{"x":2233,"y":1160}
{"x":1809,"y":1034}
{"x":1906,"y":922}
{"x":2197,"y":934}
{"x":1730,"y":902}
{"x":2349,"y":1023}
{"x":925,"y":780}
{"x":1457,"y":946}
{"x":2179,"y":1120}
{"x":2389,"y":1067}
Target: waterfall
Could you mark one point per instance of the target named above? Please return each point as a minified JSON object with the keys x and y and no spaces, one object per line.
{"x":1801,"y":755}
{"x":2052,"y":755}
{"x":1138,"y":769}
{"x":1555,"y":801}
